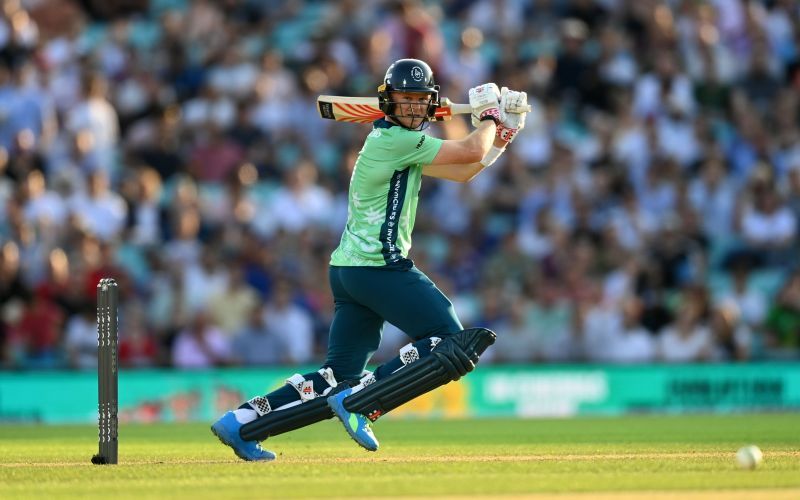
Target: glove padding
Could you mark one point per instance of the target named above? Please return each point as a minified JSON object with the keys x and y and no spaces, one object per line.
{"x":512,"y":101}
{"x":513,"y":109}
{"x":485,"y":102}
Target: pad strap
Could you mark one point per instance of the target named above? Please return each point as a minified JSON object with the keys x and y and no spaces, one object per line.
{"x":304,"y":387}
{"x":409,"y":354}
{"x":261,"y":405}
{"x":313,"y":385}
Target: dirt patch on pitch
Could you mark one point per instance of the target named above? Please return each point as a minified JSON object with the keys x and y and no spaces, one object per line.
{"x":530,"y":458}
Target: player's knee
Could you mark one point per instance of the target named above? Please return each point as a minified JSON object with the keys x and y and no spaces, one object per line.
{"x":342,"y":372}
{"x":447,"y":327}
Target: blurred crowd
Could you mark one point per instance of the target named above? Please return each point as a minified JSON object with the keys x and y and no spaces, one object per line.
{"x":647,"y":213}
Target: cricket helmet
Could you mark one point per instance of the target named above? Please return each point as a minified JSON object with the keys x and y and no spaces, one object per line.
{"x":408,"y":75}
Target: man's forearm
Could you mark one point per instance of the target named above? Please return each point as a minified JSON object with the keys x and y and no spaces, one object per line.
{"x":481,"y":139}
{"x":462,"y":172}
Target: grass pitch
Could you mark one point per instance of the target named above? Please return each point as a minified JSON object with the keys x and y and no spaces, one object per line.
{"x":619,"y":458}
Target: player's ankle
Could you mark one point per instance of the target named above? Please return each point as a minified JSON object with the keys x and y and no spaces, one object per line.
{"x":245,"y":415}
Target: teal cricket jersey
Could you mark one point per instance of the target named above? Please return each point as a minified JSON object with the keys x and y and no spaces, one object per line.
{"x":383,"y":197}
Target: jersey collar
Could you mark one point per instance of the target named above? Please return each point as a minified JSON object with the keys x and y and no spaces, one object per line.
{"x":383,"y":123}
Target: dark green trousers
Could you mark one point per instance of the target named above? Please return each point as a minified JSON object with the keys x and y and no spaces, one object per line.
{"x":366,"y":296}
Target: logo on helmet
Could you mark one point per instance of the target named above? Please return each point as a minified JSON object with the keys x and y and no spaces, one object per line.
{"x":417,"y":74}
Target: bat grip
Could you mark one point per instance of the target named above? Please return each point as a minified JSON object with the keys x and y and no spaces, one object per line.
{"x":462,"y":109}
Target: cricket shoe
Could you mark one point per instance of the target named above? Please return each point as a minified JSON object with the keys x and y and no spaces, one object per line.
{"x":355,"y":424}
{"x":227,"y":431}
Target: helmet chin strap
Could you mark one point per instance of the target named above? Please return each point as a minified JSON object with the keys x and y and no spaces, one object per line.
{"x":423,"y":124}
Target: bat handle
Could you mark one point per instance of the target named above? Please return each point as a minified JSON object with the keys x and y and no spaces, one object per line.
{"x":461,"y":109}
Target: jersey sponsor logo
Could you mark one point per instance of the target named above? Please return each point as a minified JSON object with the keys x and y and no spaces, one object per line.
{"x":421,"y":141}
{"x":417,"y":74}
{"x":394,"y":207}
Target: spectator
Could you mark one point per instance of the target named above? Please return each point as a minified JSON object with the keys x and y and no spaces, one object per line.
{"x":619,"y":338}
{"x":551,"y":322}
{"x":101,"y":211}
{"x":230,"y":308}
{"x":783,"y":320}
{"x":732,"y":337}
{"x":744,"y":300}
{"x":215,"y":157}
{"x":518,"y":343}
{"x":12,"y":286}
{"x":138,"y":347}
{"x":166,"y":307}
{"x":713,"y":194}
{"x":688,"y":339}
{"x":255,"y":344}
{"x":80,"y":342}
{"x":43,"y":208}
{"x":201,"y":345}
{"x":40,"y":330}
{"x":768,"y":226}
{"x":95,"y":116}
{"x":298,"y":204}
{"x":204,"y":280}
{"x":292,"y":325}
{"x":575,"y":75}
{"x":144,"y":211}
{"x":494,"y":313}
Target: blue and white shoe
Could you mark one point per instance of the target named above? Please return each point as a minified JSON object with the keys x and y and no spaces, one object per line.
{"x":357,"y":425}
{"x":227,"y":430}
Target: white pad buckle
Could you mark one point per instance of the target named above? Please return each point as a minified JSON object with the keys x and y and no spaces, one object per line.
{"x":408,"y":354}
{"x":327,"y":374}
{"x":367,"y":378}
{"x":304,"y":387}
{"x":261,"y":405}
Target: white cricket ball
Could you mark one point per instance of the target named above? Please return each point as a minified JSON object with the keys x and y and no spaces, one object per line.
{"x":749,"y":456}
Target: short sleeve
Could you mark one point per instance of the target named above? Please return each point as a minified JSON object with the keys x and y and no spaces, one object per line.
{"x":411,"y":147}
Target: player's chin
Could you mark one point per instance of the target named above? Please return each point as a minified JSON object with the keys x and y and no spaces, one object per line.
{"x":414,"y":122}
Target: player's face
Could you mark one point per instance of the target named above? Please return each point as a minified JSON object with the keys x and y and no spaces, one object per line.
{"x":411,"y":107}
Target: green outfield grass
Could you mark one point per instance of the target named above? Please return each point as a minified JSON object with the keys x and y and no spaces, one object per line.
{"x":600,"y":457}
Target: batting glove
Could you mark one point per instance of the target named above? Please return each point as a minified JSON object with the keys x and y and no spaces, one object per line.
{"x":513,"y":109}
{"x":485,"y":102}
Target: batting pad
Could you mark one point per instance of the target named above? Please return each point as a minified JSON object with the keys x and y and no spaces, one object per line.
{"x":288,"y":419}
{"x":418,"y":377}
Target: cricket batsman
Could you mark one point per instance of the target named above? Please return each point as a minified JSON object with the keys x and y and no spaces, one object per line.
{"x":372,"y":278}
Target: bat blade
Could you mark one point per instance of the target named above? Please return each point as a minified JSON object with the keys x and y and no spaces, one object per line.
{"x":349,"y":109}
{"x":366,"y":110}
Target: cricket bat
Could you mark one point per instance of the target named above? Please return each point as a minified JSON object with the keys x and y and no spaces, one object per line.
{"x":365,"y":109}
